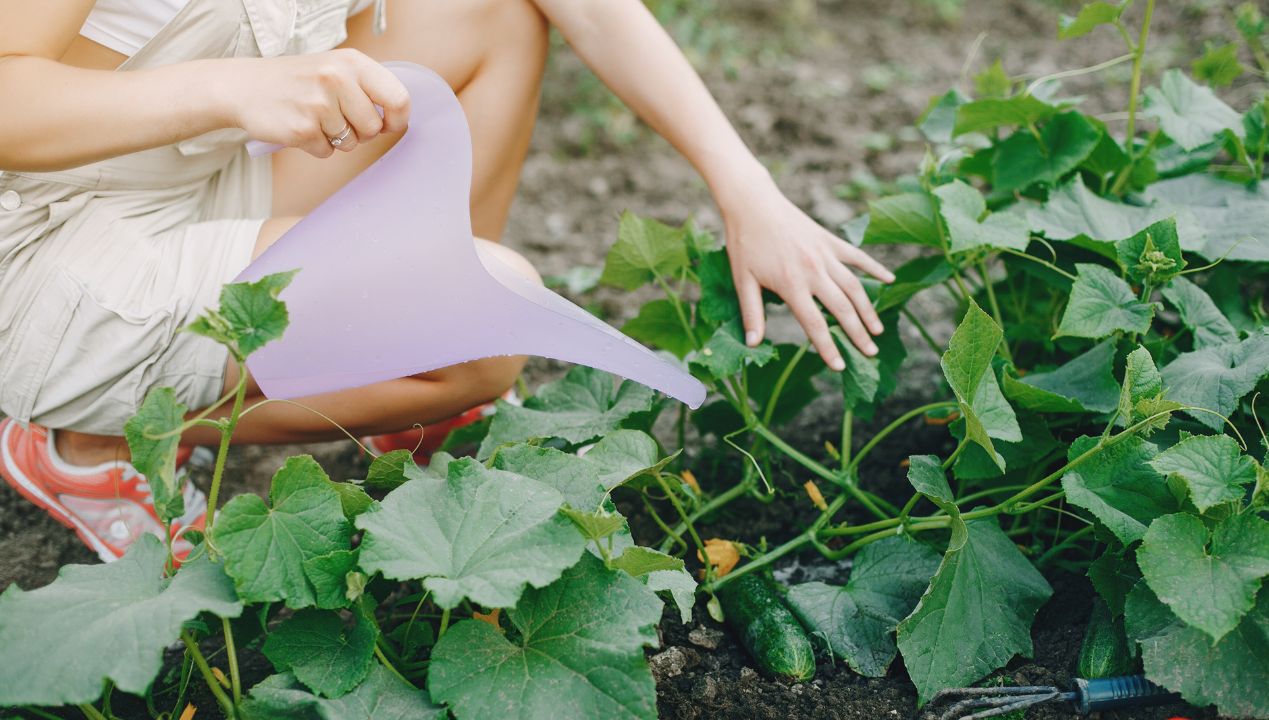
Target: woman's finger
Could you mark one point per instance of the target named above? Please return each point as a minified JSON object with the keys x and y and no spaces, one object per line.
{"x":812,"y":321}
{"x":853,"y":256}
{"x":360,"y":113}
{"x":752,"y":314}
{"x":337,"y":130}
{"x":840,"y":307}
{"x":854,"y":289}
{"x":385,"y":90}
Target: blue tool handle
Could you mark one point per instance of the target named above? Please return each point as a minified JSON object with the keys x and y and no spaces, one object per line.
{"x":1116,"y":692}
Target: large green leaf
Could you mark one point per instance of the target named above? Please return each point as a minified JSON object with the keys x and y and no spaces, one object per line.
{"x":1229,"y":674}
{"x":718,"y":302}
{"x":961,"y":207}
{"x":60,"y":644}
{"x":1024,"y":159}
{"x":862,"y":375}
{"x":645,"y":250}
{"x":1152,"y":255}
{"x":1208,"y":577}
{"x":1200,"y":314}
{"x":976,"y":614}
{"x":324,"y":654}
{"x":383,"y":696}
{"x":926,"y":475}
{"x":1230,"y":220}
{"x":967,"y":367}
{"x":1219,"y":65}
{"x":1141,"y":395}
{"x":856,"y":622}
{"x":658,"y":324}
{"x":680,"y":586}
{"x":155,"y":458}
{"x":1101,"y":303}
{"x":911,"y":278}
{"x":1090,"y":16}
{"x":1213,"y":468}
{"x":726,"y":353}
{"x":270,"y":548}
{"x":990,"y":113}
{"x":480,"y":535}
{"x":1036,"y":443}
{"x":1118,"y":486}
{"x":1189,"y":113}
{"x":907,"y":218}
{"x":1084,"y":384}
{"x":939,"y":118}
{"x":584,"y":481}
{"x":250,"y":314}
{"x":1073,"y":212}
{"x":580,"y":407}
{"x":578,"y":653}
{"x":1216,"y":378}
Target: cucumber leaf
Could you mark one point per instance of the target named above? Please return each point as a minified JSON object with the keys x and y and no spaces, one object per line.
{"x":94,"y":623}
{"x":967,"y":367}
{"x":856,"y":623}
{"x":1216,"y":378}
{"x":1090,"y":16}
{"x":645,"y":250}
{"x":976,"y":614}
{"x":658,"y":325}
{"x":480,"y":535}
{"x":268,"y":547}
{"x":155,"y":459}
{"x":321,"y":652}
{"x":1101,"y":303}
{"x":679,"y":584}
{"x":1084,"y":384}
{"x":1212,"y":467}
{"x":726,"y":353}
{"x":1152,"y":255}
{"x":1023,"y":160}
{"x":907,"y":218}
{"x":1229,"y":674}
{"x":1200,"y":314}
{"x":577,"y":654}
{"x":1207,"y":577}
{"x":1188,"y":113}
{"x":1118,"y":486}
{"x":585,"y":480}
{"x":383,"y":696}
{"x":961,"y":207}
{"x":250,"y":315}
{"x":580,"y":407}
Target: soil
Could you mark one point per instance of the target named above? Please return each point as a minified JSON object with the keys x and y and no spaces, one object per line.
{"x":824,"y":92}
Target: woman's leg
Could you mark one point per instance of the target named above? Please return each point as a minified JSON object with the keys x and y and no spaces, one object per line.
{"x":492,"y":53}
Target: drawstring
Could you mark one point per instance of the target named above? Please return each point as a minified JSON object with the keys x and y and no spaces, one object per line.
{"x":381,"y":17}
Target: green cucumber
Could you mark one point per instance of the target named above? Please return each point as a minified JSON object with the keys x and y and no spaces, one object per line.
{"x":772,"y":635}
{"x":1104,"y":652}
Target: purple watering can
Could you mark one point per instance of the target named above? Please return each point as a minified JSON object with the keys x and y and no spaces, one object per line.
{"x":399,"y":236}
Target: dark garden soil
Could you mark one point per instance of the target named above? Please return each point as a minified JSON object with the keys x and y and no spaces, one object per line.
{"x":824,"y":93}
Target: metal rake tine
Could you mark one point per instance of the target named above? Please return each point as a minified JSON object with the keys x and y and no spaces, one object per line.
{"x":1003,"y":690}
{"x":983,"y":701}
{"x":1020,"y":704}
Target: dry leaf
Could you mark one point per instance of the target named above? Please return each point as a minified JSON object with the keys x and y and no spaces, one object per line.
{"x":723,"y":555}
{"x":947,"y":419}
{"x":491,"y":618}
{"x":813,"y":492}
{"x":220,"y":677}
{"x":905,"y":463}
{"x":188,"y":713}
{"x":690,"y":479}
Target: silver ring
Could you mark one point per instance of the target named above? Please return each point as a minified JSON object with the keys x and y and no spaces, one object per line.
{"x":342,"y":137}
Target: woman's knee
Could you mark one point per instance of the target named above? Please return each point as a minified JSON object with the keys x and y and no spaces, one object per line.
{"x":512,"y":259}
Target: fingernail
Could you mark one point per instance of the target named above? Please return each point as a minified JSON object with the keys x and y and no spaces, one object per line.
{"x":889,"y":277}
{"x":751,"y":338}
{"x":871,"y":349}
{"x":838,"y":364}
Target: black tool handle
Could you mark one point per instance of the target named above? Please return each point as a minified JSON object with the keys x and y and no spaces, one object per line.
{"x":1116,"y":692}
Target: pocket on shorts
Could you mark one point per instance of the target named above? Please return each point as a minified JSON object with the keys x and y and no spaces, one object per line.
{"x":33,"y":341}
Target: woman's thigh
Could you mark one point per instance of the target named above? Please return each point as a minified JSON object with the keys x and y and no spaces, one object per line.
{"x":455,"y":39}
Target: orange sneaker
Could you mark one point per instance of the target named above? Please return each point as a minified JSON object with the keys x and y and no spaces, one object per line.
{"x":425,"y":441}
{"x":109,"y":505}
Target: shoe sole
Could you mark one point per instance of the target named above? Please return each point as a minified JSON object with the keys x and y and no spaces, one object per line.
{"x":17,"y":480}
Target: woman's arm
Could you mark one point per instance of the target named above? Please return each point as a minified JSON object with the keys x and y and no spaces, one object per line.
{"x":770,"y":241}
{"x":54,"y":116}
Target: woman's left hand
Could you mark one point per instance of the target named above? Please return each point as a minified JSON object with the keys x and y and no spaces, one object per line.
{"x":773,"y":244}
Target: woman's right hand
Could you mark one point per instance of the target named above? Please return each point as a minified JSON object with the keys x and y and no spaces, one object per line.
{"x":303,"y":101}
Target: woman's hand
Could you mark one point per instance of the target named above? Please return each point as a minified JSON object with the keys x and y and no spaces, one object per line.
{"x":304,"y":101}
{"x":774,"y":245}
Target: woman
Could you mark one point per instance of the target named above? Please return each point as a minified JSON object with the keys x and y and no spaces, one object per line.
{"x":127,"y":200}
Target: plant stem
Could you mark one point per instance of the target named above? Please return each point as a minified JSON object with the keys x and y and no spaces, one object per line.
{"x":683,"y":516}
{"x":848,"y":428}
{"x":960,"y":448}
{"x":444,"y":623}
{"x":226,"y":432}
{"x":715,"y":503}
{"x":226,"y":705}
{"x":845,"y":482}
{"x":670,"y":535}
{"x":995,"y":309}
{"x":234,"y":680}
{"x":1046,"y":263}
{"x":1138,"y":52}
{"x":1070,"y":540}
{"x":925,"y":334}
{"x":40,"y":713}
{"x":766,"y":559}
{"x":391,"y":668}
{"x":91,"y":712}
{"x":894,"y":425}
{"x":769,"y":412}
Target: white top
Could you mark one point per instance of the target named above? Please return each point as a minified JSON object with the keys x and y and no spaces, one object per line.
{"x":126,"y":25}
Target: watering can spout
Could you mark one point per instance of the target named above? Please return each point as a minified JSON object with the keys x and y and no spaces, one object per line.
{"x":391,"y":284}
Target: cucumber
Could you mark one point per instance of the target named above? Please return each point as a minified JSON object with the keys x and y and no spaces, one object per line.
{"x":774,"y":638}
{"x":1104,"y":652}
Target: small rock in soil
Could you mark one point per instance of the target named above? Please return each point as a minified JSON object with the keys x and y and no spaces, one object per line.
{"x":670,"y":663}
{"x":748,"y":674}
{"x":706,"y":689}
{"x":705,"y":637}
